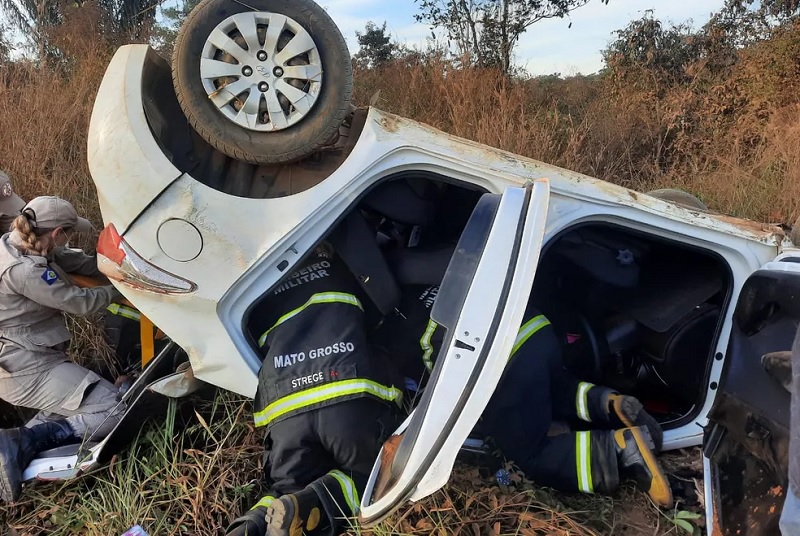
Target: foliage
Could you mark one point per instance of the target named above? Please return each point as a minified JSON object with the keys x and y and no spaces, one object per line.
{"x":648,"y":44}
{"x":118,"y":21}
{"x":487,"y":31}
{"x":166,"y":29}
{"x":375,"y":47}
{"x":5,"y":46}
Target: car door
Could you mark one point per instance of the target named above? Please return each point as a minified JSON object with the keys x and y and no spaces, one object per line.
{"x":480,"y":304}
{"x":746,"y":444}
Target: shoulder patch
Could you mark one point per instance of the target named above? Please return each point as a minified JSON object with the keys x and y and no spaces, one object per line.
{"x":49,"y":276}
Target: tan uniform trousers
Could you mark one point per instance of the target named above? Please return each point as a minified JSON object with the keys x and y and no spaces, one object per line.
{"x":48,"y":381}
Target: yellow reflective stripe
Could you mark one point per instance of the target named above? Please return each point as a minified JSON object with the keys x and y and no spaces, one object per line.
{"x":125,"y":312}
{"x":425,"y":344}
{"x":329,"y":391}
{"x":321,"y":297}
{"x":265,"y":501}
{"x":527,"y":330}
{"x":348,"y":490}
{"x":582,"y":401}
{"x":583,"y":461}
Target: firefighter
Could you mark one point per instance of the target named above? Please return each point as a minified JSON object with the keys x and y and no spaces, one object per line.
{"x":35,"y":371}
{"x":326,"y":399}
{"x":622,"y":438}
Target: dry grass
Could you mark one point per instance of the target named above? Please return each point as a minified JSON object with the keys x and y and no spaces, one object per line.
{"x":193,"y":472}
{"x":44,"y":117}
{"x":188,"y":474}
{"x":735,"y":150}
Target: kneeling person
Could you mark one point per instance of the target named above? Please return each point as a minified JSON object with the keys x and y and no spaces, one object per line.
{"x":325,"y":398}
{"x":534,"y":391}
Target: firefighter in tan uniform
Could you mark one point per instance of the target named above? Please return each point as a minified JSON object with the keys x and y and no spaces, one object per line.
{"x":34,"y":369}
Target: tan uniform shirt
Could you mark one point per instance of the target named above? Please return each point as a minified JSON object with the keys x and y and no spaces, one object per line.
{"x":34,"y":292}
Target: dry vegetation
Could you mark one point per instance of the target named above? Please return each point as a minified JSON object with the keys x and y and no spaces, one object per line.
{"x":728,"y":135}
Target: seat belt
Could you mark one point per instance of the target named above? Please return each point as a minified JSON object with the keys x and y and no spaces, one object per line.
{"x":355,"y":243}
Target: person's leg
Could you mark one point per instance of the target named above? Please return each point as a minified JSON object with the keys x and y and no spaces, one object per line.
{"x":18,"y":446}
{"x":293,"y":458}
{"x":84,"y":399}
{"x":574,"y":400}
{"x":596,"y":461}
{"x":519,"y":414}
{"x":48,"y":382}
{"x":607,"y":409}
{"x":352,"y":432}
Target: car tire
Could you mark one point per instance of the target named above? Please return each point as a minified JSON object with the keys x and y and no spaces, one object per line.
{"x":679,"y":197}
{"x":209,"y":56}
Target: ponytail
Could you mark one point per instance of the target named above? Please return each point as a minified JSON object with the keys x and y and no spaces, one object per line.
{"x":31,"y":236}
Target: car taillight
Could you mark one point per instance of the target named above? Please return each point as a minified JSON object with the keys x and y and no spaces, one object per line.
{"x":386,"y":477}
{"x":120,"y":262}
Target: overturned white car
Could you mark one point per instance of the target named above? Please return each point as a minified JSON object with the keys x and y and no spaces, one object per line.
{"x":667,"y":301}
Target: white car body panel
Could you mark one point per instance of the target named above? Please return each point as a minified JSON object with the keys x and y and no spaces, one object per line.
{"x":139,"y":190}
{"x":61,"y":467}
{"x":118,"y":121}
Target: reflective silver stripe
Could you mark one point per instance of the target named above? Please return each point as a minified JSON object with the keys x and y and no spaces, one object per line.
{"x":527,"y":330}
{"x":582,"y":401}
{"x":320,"y":297}
{"x":329,"y":391}
{"x":583,"y":461}
{"x":348,"y":490}
{"x":265,"y":501}
{"x":425,"y":344}
{"x":125,"y":312}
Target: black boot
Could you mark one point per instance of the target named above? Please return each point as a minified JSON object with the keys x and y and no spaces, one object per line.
{"x":614,"y":410}
{"x":636,"y":461}
{"x":18,"y":446}
{"x":252,"y":523}
{"x":627,"y":454}
{"x":294,"y":514}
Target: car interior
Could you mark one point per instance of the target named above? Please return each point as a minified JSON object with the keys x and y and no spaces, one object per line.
{"x":635,"y":312}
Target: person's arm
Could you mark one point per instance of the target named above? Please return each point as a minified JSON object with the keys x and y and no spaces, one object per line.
{"x":76,"y":262}
{"x":43,"y":285}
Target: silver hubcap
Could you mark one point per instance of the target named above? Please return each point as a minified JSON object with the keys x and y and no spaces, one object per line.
{"x":261,"y":70}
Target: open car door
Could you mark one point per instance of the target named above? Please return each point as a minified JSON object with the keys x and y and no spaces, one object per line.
{"x":481,"y":303}
{"x":746,"y":445}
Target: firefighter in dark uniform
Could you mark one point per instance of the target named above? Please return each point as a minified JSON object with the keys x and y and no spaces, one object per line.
{"x":536,"y":390}
{"x":325,"y":398}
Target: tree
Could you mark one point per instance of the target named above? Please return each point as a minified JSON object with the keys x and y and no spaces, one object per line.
{"x":488,"y":30}
{"x":744,"y":22}
{"x":375,"y":47}
{"x":166,"y":30}
{"x":648,"y":44}
{"x":121,"y":20}
{"x":5,"y":47}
